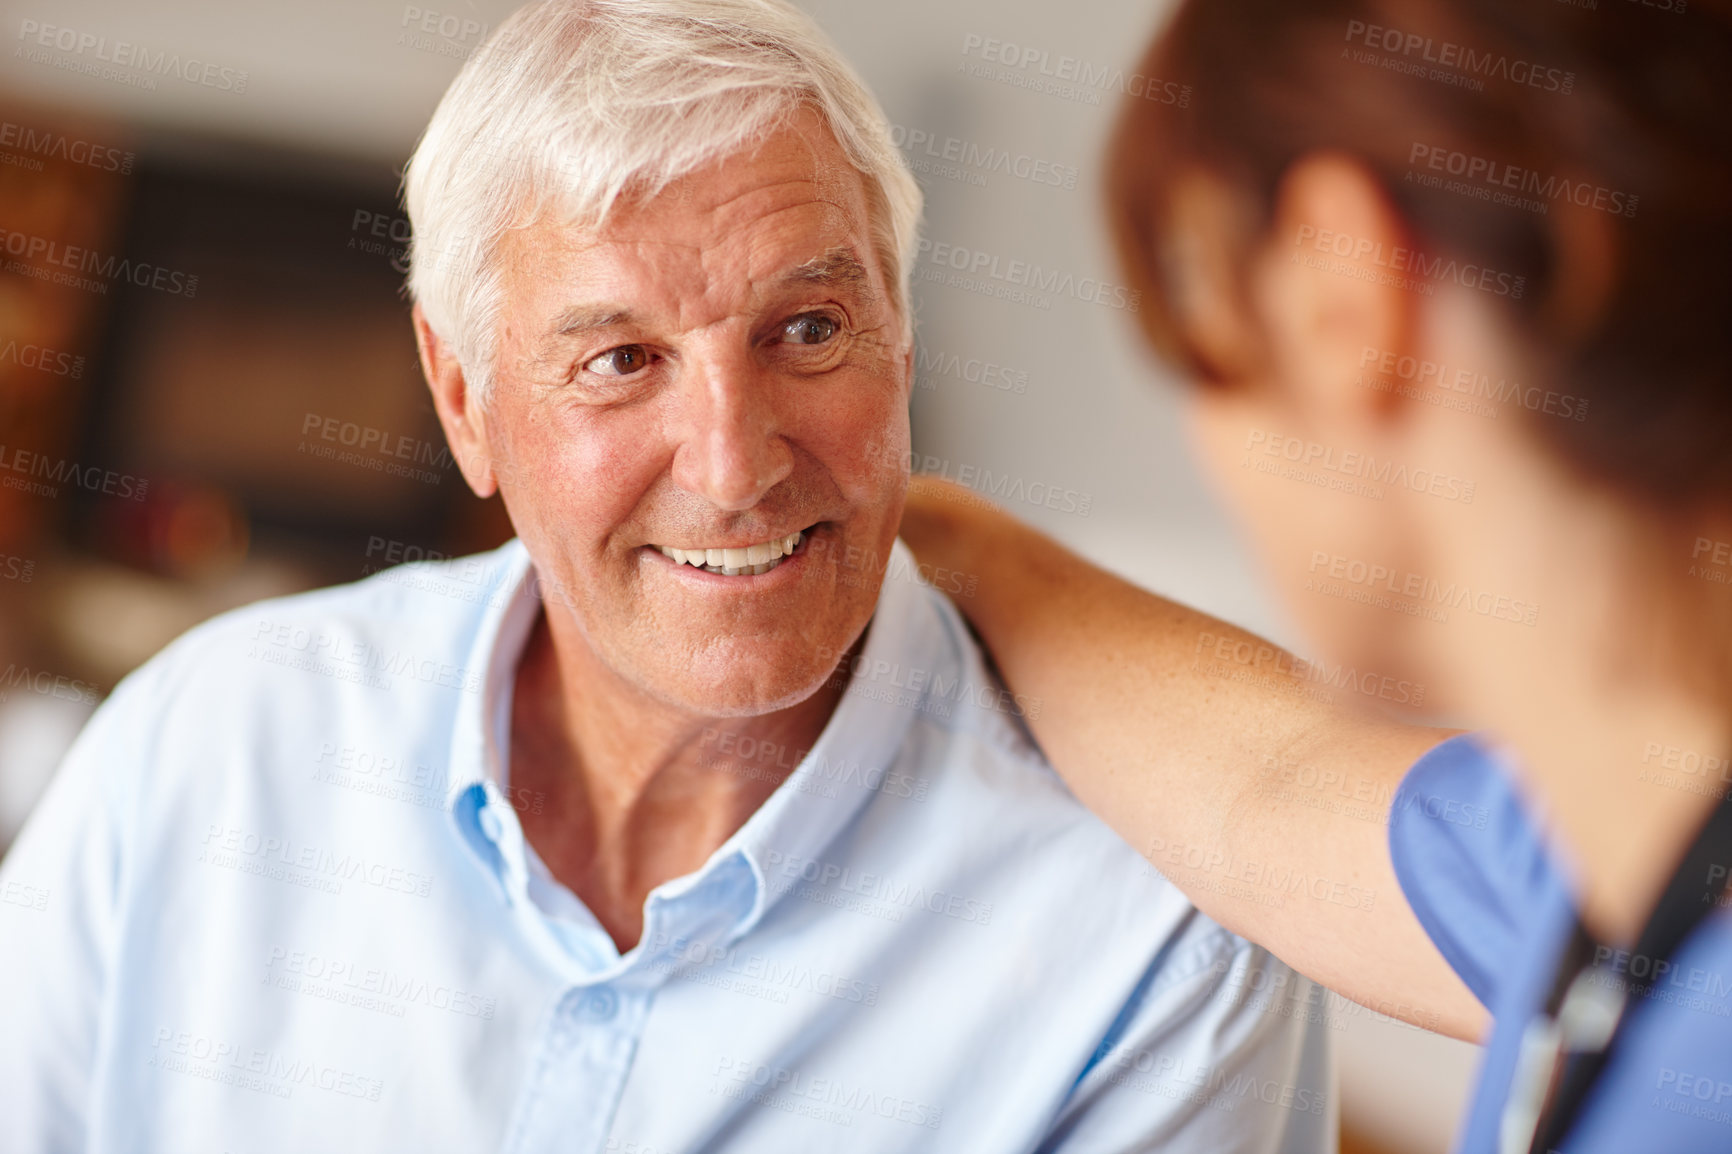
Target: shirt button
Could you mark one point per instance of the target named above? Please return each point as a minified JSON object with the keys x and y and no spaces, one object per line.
{"x":491,"y":825}
{"x":599,"y":1005}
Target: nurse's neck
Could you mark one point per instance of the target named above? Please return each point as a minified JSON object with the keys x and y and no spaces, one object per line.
{"x":1624,"y":728}
{"x":1637,"y":783}
{"x":1615,"y":697}
{"x":1632,"y":738}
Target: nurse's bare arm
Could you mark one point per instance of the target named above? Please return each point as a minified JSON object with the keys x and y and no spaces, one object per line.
{"x":1197,"y":743}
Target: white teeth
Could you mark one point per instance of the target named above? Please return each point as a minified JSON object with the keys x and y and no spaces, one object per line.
{"x":732,"y":562}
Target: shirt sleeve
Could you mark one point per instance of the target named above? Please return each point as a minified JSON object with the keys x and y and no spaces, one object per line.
{"x":61,"y":889}
{"x":1224,"y":1051}
{"x":1470,"y":861}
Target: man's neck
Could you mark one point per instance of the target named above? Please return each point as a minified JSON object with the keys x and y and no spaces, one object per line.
{"x":620,"y":792}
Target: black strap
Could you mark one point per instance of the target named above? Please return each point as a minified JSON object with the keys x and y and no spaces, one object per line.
{"x":1691,"y":896}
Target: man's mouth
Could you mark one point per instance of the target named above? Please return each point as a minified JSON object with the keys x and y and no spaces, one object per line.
{"x":740,"y":562}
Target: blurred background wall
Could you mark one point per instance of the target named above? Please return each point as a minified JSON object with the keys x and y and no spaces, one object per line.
{"x":208,"y":388}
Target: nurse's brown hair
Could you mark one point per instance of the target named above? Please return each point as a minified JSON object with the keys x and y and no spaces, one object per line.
{"x":1623,"y":106}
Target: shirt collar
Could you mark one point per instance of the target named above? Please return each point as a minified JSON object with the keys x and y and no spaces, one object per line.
{"x":512,"y":604}
{"x":886,"y":684}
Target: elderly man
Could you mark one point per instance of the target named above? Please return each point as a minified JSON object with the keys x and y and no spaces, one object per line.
{"x":669,"y":826}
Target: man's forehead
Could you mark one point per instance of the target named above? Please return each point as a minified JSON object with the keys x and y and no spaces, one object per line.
{"x":789,"y":209}
{"x":795,"y":177}
{"x":764,"y":240}
{"x":801,"y":160}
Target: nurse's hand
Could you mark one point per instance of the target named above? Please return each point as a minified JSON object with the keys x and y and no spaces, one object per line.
{"x":1176,"y":761}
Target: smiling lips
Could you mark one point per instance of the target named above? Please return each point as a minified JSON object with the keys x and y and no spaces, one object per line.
{"x":751,"y":559}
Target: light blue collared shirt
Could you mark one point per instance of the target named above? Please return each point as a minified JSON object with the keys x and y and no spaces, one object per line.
{"x":278,"y":899}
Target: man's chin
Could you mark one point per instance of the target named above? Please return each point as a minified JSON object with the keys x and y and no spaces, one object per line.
{"x":747,"y":680}
{"x":744,"y":696}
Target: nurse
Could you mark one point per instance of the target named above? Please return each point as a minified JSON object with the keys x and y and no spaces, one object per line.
{"x":1452,"y":279}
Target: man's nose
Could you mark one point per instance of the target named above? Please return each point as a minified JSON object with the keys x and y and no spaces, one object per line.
{"x":732,"y":448}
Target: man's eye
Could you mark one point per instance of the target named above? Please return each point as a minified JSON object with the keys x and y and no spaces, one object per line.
{"x":809,"y":329}
{"x":620,"y":362}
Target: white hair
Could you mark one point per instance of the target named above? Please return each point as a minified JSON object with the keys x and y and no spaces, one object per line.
{"x":570,"y":103}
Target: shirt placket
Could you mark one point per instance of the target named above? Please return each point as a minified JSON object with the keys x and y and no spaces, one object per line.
{"x":584,"y":1059}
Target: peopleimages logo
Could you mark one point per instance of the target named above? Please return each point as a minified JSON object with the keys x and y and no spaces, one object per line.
{"x":235,"y":1064}
{"x":46,"y":684}
{"x":1381,"y":367}
{"x":1262,"y":657}
{"x":1346,"y":471}
{"x":309,"y":866}
{"x":1402,"y":264}
{"x":376,"y":988}
{"x":788,"y":872}
{"x":932,"y":363}
{"x":1407,"y":592}
{"x":441,"y":33}
{"x":58,"y":146}
{"x":89,"y":261}
{"x":989,"y":267}
{"x":382,"y":234}
{"x":798,"y":1091}
{"x":1455,"y":63}
{"x":1061,"y":72}
{"x":1002,"y":487}
{"x":1498,"y":176}
{"x":930,"y":153}
{"x":43,"y":475}
{"x":122,"y":54}
{"x":380,"y":450}
{"x":1216,"y":1086}
{"x":42,"y":359}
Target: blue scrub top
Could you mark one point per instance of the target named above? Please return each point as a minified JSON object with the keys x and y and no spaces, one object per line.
{"x":1469,"y":857}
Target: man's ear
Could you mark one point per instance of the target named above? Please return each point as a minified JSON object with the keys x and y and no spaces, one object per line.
{"x":1329,"y":290}
{"x":460,"y":411}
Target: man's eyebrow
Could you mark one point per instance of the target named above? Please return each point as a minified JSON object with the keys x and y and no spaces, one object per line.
{"x":579,"y":319}
{"x":839,"y":268}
